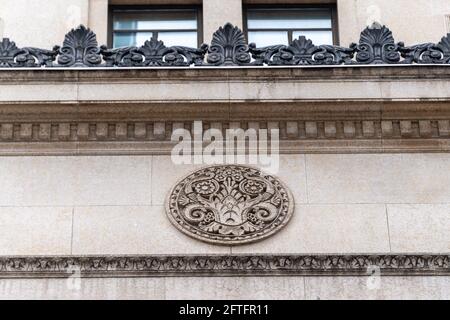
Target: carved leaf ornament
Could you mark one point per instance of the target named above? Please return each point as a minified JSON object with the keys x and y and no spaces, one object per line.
{"x":224,"y":265}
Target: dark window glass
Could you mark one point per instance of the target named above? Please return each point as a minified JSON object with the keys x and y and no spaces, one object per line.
{"x":173,"y":26}
{"x":269,"y":26}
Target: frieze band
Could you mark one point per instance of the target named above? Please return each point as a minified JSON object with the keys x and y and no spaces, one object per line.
{"x":228,"y":48}
{"x":226,"y":265}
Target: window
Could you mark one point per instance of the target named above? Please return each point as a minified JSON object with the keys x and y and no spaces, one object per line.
{"x":133,"y":26}
{"x":268,"y":25}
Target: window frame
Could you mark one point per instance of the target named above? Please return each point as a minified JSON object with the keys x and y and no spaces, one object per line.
{"x":331,"y":6}
{"x":137,"y":8}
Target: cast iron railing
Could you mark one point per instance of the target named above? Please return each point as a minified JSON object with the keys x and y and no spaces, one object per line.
{"x":228,"y":48}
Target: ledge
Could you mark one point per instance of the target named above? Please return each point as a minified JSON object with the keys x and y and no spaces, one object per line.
{"x":235,"y":265}
{"x":221,"y":73}
{"x":218,"y":90}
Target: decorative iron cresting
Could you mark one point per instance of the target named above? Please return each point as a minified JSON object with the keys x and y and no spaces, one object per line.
{"x":228,"y":48}
{"x":224,"y":265}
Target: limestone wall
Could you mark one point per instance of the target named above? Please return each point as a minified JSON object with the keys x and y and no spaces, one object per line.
{"x":267,"y":288}
{"x":411,"y":21}
{"x":41,"y":23}
{"x":371,"y":203}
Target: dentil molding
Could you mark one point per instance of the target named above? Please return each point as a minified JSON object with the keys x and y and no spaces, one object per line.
{"x":154,"y":137}
{"x":162,"y":130}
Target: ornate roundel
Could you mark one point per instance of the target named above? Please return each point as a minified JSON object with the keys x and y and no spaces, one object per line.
{"x":229,"y":205}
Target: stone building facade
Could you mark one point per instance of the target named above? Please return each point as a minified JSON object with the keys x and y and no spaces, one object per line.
{"x":92,"y":205}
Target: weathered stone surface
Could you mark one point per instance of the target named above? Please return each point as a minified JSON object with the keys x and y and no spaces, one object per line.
{"x":237,"y":288}
{"x":35,"y":231}
{"x":296,"y":288}
{"x":68,"y":181}
{"x":329,"y":229}
{"x":390,"y":178}
{"x":131,"y":230}
{"x":419,"y":227}
{"x":384,"y":288}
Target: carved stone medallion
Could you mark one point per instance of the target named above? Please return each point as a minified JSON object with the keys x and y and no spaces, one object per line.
{"x":229,"y":205}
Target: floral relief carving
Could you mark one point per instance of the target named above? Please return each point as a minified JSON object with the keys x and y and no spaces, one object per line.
{"x":230,"y":205}
{"x":227,"y":265}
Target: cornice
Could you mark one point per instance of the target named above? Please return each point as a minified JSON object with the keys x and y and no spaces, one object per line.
{"x":380,"y":72}
{"x":323,"y":99}
{"x":225,"y":265}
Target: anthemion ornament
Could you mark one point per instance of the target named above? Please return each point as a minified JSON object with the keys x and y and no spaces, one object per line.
{"x":230,"y":205}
